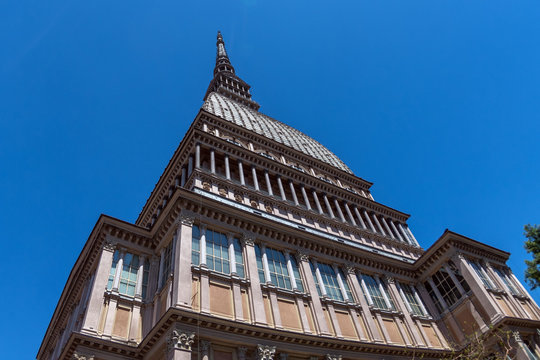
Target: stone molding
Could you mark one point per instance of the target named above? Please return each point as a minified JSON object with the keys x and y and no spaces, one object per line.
{"x":180,"y":339}
{"x":265,"y":352}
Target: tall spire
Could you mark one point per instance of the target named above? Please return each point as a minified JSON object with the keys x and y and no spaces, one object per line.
{"x":225,"y":80}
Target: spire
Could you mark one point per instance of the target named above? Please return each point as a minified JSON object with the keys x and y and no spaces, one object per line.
{"x":225,"y":81}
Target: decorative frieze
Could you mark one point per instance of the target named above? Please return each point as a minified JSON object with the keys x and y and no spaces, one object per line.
{"x":265,"y":352}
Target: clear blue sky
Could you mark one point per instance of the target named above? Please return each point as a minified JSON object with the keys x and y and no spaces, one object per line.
{"x":436,"y":102}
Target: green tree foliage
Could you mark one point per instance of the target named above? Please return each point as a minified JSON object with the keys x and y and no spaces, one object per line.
{"x":532,"y":245}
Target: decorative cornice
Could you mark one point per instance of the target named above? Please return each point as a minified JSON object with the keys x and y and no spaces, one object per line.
{"x":265,"y":352}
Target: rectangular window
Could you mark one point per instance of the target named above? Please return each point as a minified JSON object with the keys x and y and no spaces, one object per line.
{"x":507,"y":281}
{"x":410,"y":298}
{"x":260,"y":268}
{"x":128,"y":276}
{"x":195,"y":245}
{"x":277,"y":267}
{"x":116,"y":257}
{"x":166,"y":263}
{"x":376,"y":294}
{"x":481,"y":274}
{"x":315,"y":278}
{"x":239,"y":258}
{"x":433,"y":296}
{"x":331,"y":285}
{"x":146,"y":273}
{"x":217,"y":252}
{"x":446,"y":287}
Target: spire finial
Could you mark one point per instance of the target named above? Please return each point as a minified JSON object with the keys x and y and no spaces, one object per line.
{"x":225,"y":80}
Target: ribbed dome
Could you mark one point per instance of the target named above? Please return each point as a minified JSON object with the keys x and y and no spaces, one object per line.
{"x":252,"y":120}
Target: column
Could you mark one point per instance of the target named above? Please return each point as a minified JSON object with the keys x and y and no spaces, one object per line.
{"x":241,"y":172}
{"x":400,"y":238}
{"x":202,"y":244}
{"x":327,"y":203}
{"x":259,"y":315}
{"x":182,"y":263}
{"x":478,"y":289}
{"x":190,"y":165}
{"x":241,"y":352}
{"x":281,"y":190}
{"x":372,"y":329}
{"x":140,"y":273}
{"x":366,"y":215}
{"x":183,"y":177}
{"x":212,"y":161}
{"x":148,"y":322}
{"x":255,"y":180}
{"x":340,"y":213}
{"x":227,"y":168}
{"x":304,"y":195}
{"x":268,"y":184}
{"x":134,"y":337}
{"x":359,"y":217}
{"x":349,"y":213}
{"x":118,"y":272}
{"x":319,"y":318}
{"x":265,"y":264}
{"x":319,"y":208}
{"x":411,"y":234}
{"x":290,"y":270}
{"x":293,"y":191}
{"x":198,"y":156}
{"x":319,"y":277}
{"x":387,"y":228}
{"x":232,"y":257}
{"x":340,"y":283}
{"x":93,"y":310}
{"x":378,"y":223}
{"x":406,"y":236}
{"x":179,"y":343}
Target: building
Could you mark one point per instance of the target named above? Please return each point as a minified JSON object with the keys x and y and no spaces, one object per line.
{"x":259,"y":243}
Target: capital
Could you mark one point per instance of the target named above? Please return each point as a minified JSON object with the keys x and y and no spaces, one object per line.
{"x":302,"y":256}
{"x":108,"y":246}
{"x":248,"y":239}
{"x":265,"y":352}
{"x":180,"y":339}
{"x":351,"y":269}
{"x":186,"y":220}
{"x":389,"y":279}
{"x":517,"y":336}
{"x":242,"y":350}
{"x":81,"y":356}
{"x":332,"y":357}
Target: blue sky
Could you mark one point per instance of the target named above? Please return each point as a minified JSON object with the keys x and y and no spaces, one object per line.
{"x":436,"y":102}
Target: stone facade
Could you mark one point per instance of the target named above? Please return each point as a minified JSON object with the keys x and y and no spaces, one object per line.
{"x":259,"y":243}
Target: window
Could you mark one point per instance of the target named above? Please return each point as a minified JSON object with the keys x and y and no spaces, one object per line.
{"x":378,"y":293}
{"x":434,"y":297}
{"x":458,"y":275}
{"x":330,"y":282}
{"x":116,"y":257}
{"x":409,"y":293}
{"x":166,"y":263}
{"x":481,"y":274}
{"x":216,"y":245}
{"x":239,"y":258}
{"x":128,"y":274}
{"x":446,"y":287}
{"x":195,"y":245}
{"x":260,"y":268}
{"x":507,"y":281}
{"x":217,"y":252}
{"x":277,"y":268}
